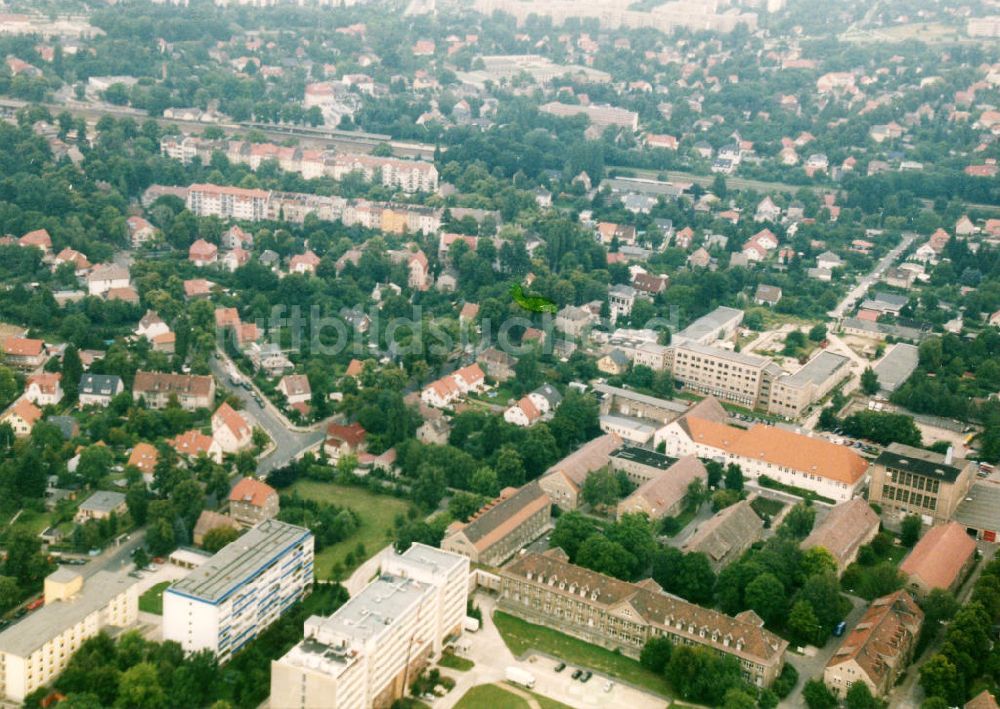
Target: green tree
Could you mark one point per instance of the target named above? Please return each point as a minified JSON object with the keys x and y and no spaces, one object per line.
{"x":140,"y":558}
{"x":940,"y":678}
{"x":734,"y":477}
{"x":766,"y":596}
{"x":869,"y":382}
{"x":799,"y":521}
{"x":656,"y":653}
{"x":600,"y":554}
{"x":72,"y":370}
{"x":803,"y":624}
{"x":909,"y":531}
{"x":818,"y":332}
{"x":570,"y":532}
{"x":218,"y":537}
{"x":817,"y":695}
{"x":738,"y":698}
{"x":139,"y":686}
{"x":860,"y":697}
{"x":10,"y":593}
{"x":463,"y":505}
{"x":601,"y":488}
{"x":429,"y":487}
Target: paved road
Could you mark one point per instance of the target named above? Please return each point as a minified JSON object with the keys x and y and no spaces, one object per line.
{"x":868,"y":281}
{"x":288,"y":444}
{"x":810,"y":667}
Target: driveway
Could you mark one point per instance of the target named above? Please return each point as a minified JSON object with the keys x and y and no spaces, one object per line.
{"x":487,"y":649}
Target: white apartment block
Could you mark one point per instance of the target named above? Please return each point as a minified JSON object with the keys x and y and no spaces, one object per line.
{"x":35,"y":650}
{"x":239,"y":592}
{"x":405,"y":175}
{"x":206,"y":200}
{"x":369,"y":652}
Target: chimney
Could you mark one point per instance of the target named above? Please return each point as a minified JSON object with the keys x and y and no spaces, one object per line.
{"x":949,"y":454}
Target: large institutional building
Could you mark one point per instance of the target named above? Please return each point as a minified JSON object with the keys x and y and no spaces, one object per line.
{"x":547,"y":589}
{"x":239,"y":592}
{"x":370,"y":651}
{"x":35,"y":650}
{"x":836,"y":472}
{"x":907,"y":480}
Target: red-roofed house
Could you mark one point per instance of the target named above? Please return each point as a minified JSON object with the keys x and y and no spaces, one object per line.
{"x":523,"y":413}
{"x":39,"y":238}
{"x":140,"y":231}
{"x":22,"y":417}
{"x":252,"y":502}
{"x":202,"y":253}
{"x":296,"y":389}
{"x":303,"y":263}
{"x":24,"y":352}
{"x":230,"y":429}
{"x":194,"y":443}
{"x":344,"y":440}
{"x":44,"y":388}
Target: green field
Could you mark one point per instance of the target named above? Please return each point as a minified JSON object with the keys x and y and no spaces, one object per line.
{"x":34,"y":522}
{"x":454,"y":662}
{"x":377,"y":513}
{"x":521,"y":636}
{"x":152,"y":600}
{"x":496,"y":697}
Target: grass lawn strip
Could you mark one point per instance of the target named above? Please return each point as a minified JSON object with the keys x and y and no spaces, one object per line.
{"x":377,"y":513}
{"x":152,"y":600}
{"x":521,"y":636}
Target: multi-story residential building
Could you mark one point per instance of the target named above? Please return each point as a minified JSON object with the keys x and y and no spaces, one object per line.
{"x":253,"y":501}
{"x":371,"y":649}
{"x":548,"y":590}
{"x":404,"y":175}
{"x":848,"y":527}
{"x":502,"y":527}
{"x":907,"y":480}
{"x":156,"y":388}
{"x":812,"y":463}
{"x":105,"y":277}
{"x":239,"y":592}
{"x":44,"y":388}
{"x":22,"y":417}
{"x":35,"y":650}
{"x":230,"y":429}
{"x":879,"y":647}
{"x":621,"y":299}
{"x":207,"y":200}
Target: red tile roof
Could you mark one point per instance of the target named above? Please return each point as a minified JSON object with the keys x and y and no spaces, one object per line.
{"x":251,"y":491}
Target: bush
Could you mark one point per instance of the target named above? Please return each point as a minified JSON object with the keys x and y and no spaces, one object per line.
{"x":786,"y":681}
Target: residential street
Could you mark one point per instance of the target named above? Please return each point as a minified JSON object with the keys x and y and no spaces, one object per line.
{"x":289,"y":444}
{"x":858,"y":292}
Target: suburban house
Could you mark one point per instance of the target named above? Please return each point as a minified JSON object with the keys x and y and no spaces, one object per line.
{"x":106,"y":277}
{"x":848,"y":527}
{"x":879,"y":647}
{"x":209,"y":520}
{"x":499,"y":365}
{"x":202,"y":253}
{"x":44,"y":388}
{"x":303,"y":263}
{"x":767,"y":295}
{"x":99,"y":389}
{"x":24,"y":352}
{"x":39,"y":238}
{"x":156,"y":388}
{"x":140,"y":231}
{"x":143,"y":457}
{"x":22,"y":417}
{"x":296,"y":389}
{"x":941,"y":559}
{"x":101,"y":505}
{"x":252,"y":502}
{"x":501,"y":527}
{"x":344,"y":440}
{"x":230,"y":429}
{"x":194,"y":443}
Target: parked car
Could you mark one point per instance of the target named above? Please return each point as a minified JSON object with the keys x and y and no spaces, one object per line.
{"x":560,"y":667}
{"x":841,"y":627}
{"x":586,"y":676}
{"x":576,"y":674}
{"x":608,"y":686}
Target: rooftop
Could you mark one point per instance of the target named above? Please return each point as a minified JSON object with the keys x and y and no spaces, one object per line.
{"x":240,"y":560}
{"x":938,"y":558}
{"x":37,"y":628}
{"x":896,"y":366}
{"x":644,"y":456}
{"x":817,"y":370}
{"x":981,"y":507}
{"x":711,"y":323}
{"x":920,"y":461}
{"x":103,"y":501}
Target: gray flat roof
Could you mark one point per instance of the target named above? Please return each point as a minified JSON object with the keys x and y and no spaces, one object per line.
{"x":636,"y":424}
{"x":897,"y":365}
{"x":239,"y":561}
{"x":750,"y":360}
{"x":817,"y":370}
{"x":713,"y":322}
{"x":103,"y":501}
{"x":40,"y":626}
{"x":677,"y":406}
{"x":644,"y":456}
{"x":981,"y":507}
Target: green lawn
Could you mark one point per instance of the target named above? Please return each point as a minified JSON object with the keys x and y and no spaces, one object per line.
{"x":767,"y":506}
{"x":454,"y":662}
{"x":377,"y":513}
{"x":521,"y":636}
{"x":152,"y":600}
{"x":34,"y":522}
{"x":495,"y":697}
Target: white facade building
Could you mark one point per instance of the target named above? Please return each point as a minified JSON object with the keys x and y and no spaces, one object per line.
{"x":369,"y":651}
{"x":236,"y":595}
{"x":228,"y":202}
